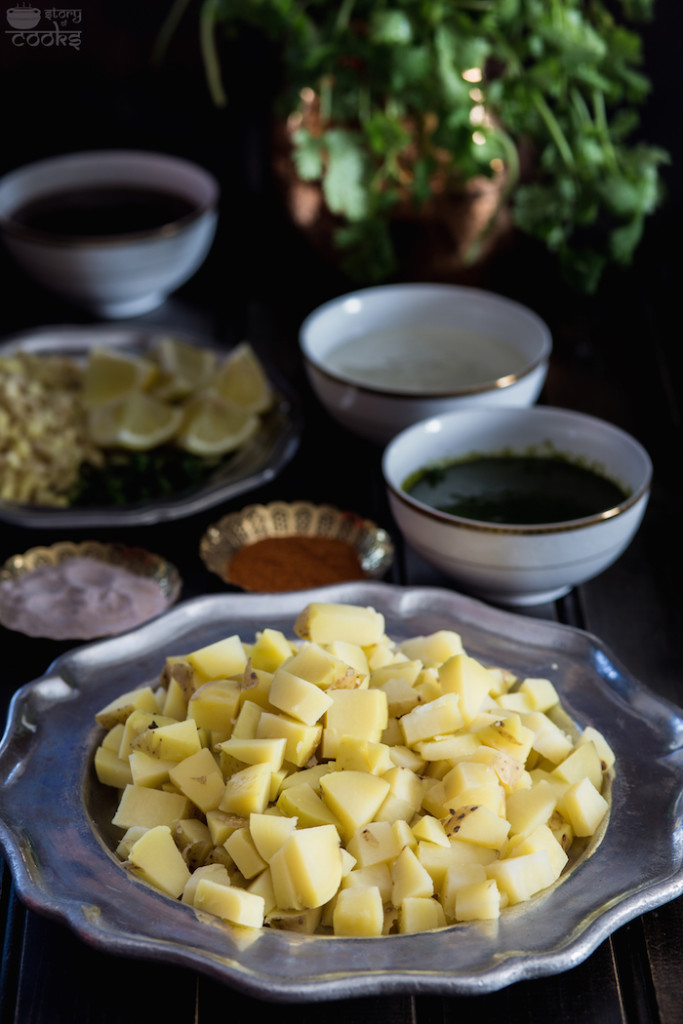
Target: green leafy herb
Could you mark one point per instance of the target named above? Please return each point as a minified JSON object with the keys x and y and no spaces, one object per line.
{"x":128,"y":477}
{"x":401,"y":99}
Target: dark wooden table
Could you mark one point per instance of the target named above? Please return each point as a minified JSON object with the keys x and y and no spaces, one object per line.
{"x":614,"y":357}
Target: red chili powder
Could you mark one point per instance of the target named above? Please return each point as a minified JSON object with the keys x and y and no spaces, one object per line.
{"x":294,"y":563}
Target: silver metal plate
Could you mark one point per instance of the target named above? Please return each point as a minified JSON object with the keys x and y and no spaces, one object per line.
{"x":54,"y":814}
{"x":259,"y":461}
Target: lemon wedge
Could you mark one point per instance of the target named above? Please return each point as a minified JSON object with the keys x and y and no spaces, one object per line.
{"x":242,"y":380}
{"x":111,"y":374}
{"x":214,"y":426}
{"x":137,"y":422}
{"x":185,"y":368}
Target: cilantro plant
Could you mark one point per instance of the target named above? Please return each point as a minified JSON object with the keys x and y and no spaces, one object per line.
{"x":395,"y":101}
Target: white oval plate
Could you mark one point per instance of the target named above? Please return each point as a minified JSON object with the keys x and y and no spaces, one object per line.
{"x":53,"y":813}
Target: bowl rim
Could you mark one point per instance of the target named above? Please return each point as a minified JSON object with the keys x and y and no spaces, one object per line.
{"x":463,"y":291}
{"x":83,"y":158}
{"x":519,"y":529}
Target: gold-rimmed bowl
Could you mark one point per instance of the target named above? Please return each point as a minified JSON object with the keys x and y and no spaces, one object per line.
{"x":85,"y":590}
{"x":124,"y":272}
{"x":512,"y":563}
{"x":295,"y":521}
{"x":380,"y":359}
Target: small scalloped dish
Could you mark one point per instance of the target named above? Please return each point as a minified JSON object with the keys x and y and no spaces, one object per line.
{"x":82,"y":591}
{"x":298,"y":566}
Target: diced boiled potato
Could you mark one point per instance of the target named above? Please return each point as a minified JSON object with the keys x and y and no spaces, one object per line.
{"x":353,"y":797}
{"x":223,"y":659}
{"x":214,"y":705}
{"x":374,"y":875}
{"x":527,"y":809}
{"x":247,"y":791}
{"x":323,"y":623}
{"x":478,"y":824}
{"x":434,"y":648}
{"x":146,"y":770}
{"x":112,"y":770}
{"x":509,"y":735}
{"x":270,"y":649}
{"x":242,"y":849}
{"x":318,"y":665}
{"x":156,"y":858}
{"x":253,"y":750}
{"x":297,"y":697}
{"x":172,"y":742}
{"x":420,"y":914}
{"x":584,"y":807}
{"x":541,"y":693}
{"x":359,"y":911}
{"x":269,"y":832}
{"x":307,"y":869}
{"x":121,"y":707}
{"x":200,"y":779}
{"x":304,"y":803}
{"x":478,"y":901}
{"x":359,"y":713}
{"x":409,"y":878}
{"x":520,"y":878}
{"x":140,"y":805}
{"x":470,"y":680}
{"x":583,"y":762}
{"x":216,"y":872}
{"x":354,"y":754}
{"x":238,"y":906}
{"x":437,"y":718}
{"x":301,"y":740}
{"x":374,"y":843}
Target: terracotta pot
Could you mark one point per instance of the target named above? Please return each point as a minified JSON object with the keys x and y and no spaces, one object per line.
{"x":434,"y":243}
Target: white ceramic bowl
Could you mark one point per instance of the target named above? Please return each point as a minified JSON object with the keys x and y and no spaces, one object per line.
{"x":421,"y":350}
{"x":511,"y":564}
{"x":117,"y":275}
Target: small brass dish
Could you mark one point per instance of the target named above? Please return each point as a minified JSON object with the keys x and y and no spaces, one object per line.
{"x":299,"y":519}
{"x":92,"y":596}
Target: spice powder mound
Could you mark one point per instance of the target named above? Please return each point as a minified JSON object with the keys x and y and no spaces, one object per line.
{"x":294,"y":563}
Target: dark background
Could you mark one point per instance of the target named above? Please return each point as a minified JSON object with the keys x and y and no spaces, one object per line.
{"x":110,"y":93}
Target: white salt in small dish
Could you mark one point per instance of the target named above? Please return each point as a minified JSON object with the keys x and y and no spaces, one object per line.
{"x":84,"y":591}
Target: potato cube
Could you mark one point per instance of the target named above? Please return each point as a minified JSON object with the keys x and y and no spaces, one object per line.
{"x":302,"y":802}
{"x":318,"y":665}
{"x":437,"y":718}
{"x":200,"y":779}
{"x":358,"y":911}
{"x":374,"y":875}
{"x":477,"y":824}
{"x":323,"y":623}
{"x":359,"y":713}
{"x":433,"y":649}
{"x":246,"y":723}
{"x":270,"y":649}
{"x":172,"y":742}
{"x":420,"y":914}
{"x":269,"y":832}
{"x":247,"y":791}
{"x":541,"y":693}
{"x":400,"y":694}
{"x":112,"y":770}
{"x":121,"y":707}
{"x":238,"y":906}
{"x":470,"y":680}
{"x":156,"y":858}
{"x":527,"y":809}
{"x":605,"y":752}
{"x":542,"y":838}
{"x":298,"y":697}
{"x":431,"y":830}
{"x":140,"y":805}
{"x":214,"y":705}
{"x":216,"y":872}
{"x":584,"y":807}
{"x":223,"y":659}
{"x":353,"y":797}
{"x":509,"y":735}
{"x":301,"y":740}
{"x":549,"y":740}
{"x":409,"y":878}
{"x":307,"y":870}
{"x":374,"y":843}
{"x":243,"y":852}
{"x":354,"y":754}
{"x":520,"y":878}
{"x":478,"y":901}
{"x":583,"y":762}
{"x":455,"y":878}
{"x":404,"y":796}
{"x":221,"y":824}
{"x":237,"y":751}
{"x":146,"y":770}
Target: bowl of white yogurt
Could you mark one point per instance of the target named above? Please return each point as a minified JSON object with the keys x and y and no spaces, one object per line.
{"x":380,"y":359}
